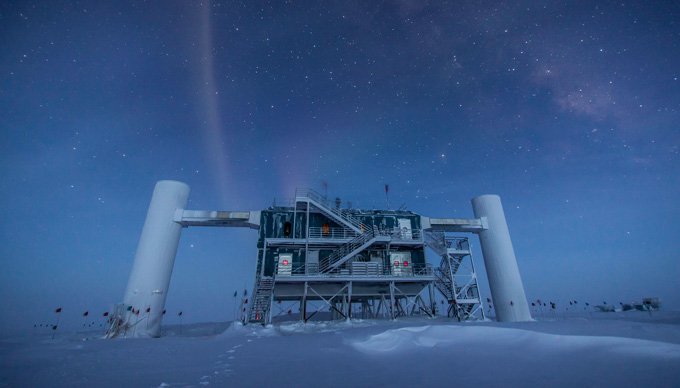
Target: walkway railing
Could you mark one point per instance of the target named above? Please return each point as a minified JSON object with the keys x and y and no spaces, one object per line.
{"x":346,"y":233}
{"x":330,"y":207}
{"x":362,"y":269}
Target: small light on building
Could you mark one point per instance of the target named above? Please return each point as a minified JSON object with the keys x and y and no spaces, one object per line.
{"x":396,"y":263}
{"x":405,"y":263}
{"x":285,"y":262}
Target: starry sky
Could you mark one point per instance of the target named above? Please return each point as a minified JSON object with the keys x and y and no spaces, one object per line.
{"x":568,"y":110}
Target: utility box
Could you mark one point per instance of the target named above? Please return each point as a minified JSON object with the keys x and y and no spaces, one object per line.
{"x":401,"y":263}
{"x":285,"y":267}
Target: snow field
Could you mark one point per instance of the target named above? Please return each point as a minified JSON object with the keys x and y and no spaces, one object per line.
{"x":403,"y":353}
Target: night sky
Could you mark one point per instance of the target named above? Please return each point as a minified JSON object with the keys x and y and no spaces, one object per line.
{"x":570,"y":111}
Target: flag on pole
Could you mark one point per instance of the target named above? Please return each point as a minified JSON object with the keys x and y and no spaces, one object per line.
{"x":235,"y":294}
{"x":245,"y":292}
{"x":164,"y":311}
{"x":148,"y":309}
{"x":180,"y":314}
{"x":58,"y":310}
{"x":106,"y":314}
{"x":86,"y":313}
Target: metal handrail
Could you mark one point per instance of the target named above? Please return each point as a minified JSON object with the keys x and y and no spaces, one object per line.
{"x":347,"y":248}
{"x":458,"y":243}
{"x":347,"y":233}
{"x":323,"y":201}
{"x":332,"y":233}
{"x":369,"y":268}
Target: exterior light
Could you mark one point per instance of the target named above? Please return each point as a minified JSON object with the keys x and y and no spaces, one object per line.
{"x":396,"y":263}
{"x":285,"y":262}
{"x":405,"y":263}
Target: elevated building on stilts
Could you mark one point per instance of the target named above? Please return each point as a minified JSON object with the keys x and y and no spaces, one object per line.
{"x":353,"y":261}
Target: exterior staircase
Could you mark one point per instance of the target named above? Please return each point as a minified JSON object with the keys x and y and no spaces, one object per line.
{"x":459,"y":289}
{"x":342,"y":216}
{"x":261,"y":303}
{"x":367,"y":236}
{"x":351,"y":248}
{"x":260,"y":306}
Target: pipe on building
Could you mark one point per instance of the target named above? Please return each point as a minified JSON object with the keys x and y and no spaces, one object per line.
{"x":507,"y":291}
{"x":149,"y":280}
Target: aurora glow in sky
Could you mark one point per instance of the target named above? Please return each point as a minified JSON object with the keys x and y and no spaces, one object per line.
{"x":567,"y":110}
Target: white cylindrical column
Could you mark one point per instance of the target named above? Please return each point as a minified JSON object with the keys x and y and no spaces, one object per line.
{"x":147,"y":287}
{"x":505,"y":283}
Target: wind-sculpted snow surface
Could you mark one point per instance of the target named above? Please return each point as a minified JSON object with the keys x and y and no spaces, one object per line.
{"x":407,"y":339}
{"x":633,"y":350}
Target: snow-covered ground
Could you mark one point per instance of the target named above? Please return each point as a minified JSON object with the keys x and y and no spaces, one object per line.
{"x":631,"y":349}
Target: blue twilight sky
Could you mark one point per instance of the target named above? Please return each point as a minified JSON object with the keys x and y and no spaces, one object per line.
{"x":568,"y":110}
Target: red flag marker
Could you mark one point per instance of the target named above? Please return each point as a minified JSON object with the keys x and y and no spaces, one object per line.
{"x":106,"y":314}
{"x":164,"y":311}
{"x":148,"y":309}
{"x":180,"y":314}
{"x":511,"y":304}
{"x":533,"y":304}
{"x":488,"y":300}
{"x":58,"y":310}
{"x":86,"y":313}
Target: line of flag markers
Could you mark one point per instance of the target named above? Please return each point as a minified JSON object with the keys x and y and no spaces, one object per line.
{"x":538,"y":303}
{"x":106,"y":314}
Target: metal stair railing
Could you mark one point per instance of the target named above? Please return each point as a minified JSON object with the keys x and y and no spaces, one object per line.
{"x":346,"y":250}
{"x":332,"y":233}
{"x":323,"y":204}
{"x":261,"y":299}
{"x":443,"y":284}
{"x":436,"y":242}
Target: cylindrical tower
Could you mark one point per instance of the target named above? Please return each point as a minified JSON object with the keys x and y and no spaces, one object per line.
{"x":147,"y":287}
{"x":506,"y":286}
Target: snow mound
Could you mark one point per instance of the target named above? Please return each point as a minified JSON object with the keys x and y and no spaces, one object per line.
{"x":407,"y":339}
